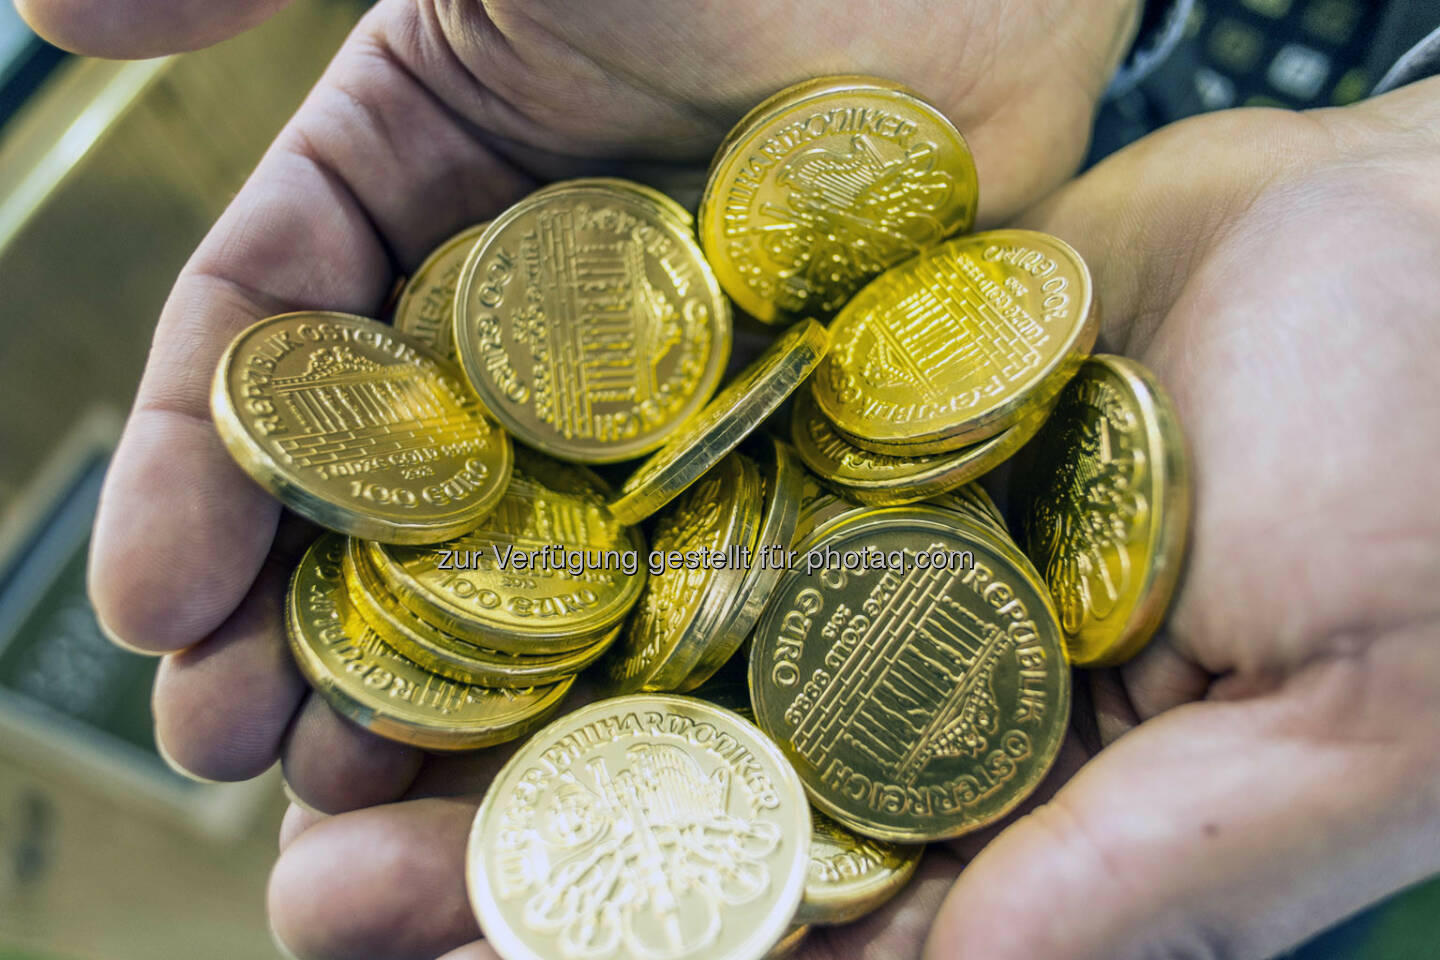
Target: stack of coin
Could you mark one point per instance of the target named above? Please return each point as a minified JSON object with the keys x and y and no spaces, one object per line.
{"x":721,"y":550}
{"x":368,"y":681}
{"x":840,"y":580}
{"x":532,"y":595}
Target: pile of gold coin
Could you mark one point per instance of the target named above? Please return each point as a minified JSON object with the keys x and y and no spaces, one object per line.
{"x":817,"y":645}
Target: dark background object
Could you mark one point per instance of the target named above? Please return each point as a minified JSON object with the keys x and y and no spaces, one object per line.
{"x":1267,"y":53}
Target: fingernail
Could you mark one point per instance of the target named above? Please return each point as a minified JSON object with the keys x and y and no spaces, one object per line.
{"x":109,"y":633}
{"x":294,"y":798}
{"x":173,"y":764}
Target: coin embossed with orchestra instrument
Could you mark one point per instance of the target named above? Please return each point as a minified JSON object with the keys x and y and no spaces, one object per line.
{"x":426,"y":305}
{"x":589,"y":322}
{"x":919,"y":698}
{"x":640,"y":826}
{"x":826,"y":184}
{"x":957,"y":344}
{"x":1105,"y":503}
{"x":359,"y":428}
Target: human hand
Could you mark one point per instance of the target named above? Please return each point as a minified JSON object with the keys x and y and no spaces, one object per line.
{"x":1277,"y":272}
{"x":1277,"y":765}
{"x":136,"y":29}
{"x":433,"y":117}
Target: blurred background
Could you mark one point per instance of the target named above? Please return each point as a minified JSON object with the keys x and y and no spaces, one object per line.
{"x":110,"y":173}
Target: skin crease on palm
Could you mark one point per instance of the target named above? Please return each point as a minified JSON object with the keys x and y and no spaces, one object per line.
{"x":1275,"y":270}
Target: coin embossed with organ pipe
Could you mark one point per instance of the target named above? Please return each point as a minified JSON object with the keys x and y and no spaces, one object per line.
{"x":959,"y":343}
{"x":589,"y":322}
{"x":921,"y":702}
{"x":359,"y":428}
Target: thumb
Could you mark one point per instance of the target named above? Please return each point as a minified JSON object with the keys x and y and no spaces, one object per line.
{"x":1215,"y":830}
{"x":1146,"y":217}
{"x":136,"y":29}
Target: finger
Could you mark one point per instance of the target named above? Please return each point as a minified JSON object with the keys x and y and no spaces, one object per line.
{"x":298,"y":818}
{"x":460,"y":774}
{"x":470,"y":772}
{"x":137,"y":29}
{"x":387,"y":883}
{"x":1114,"y":712}
{"x":1140,"y":236}
{"x":334,"y":765}
{"x":1217,"y":830}
{"x":1162,"y":677}
{"x":222,"y":707}
{"x":371,"y":167}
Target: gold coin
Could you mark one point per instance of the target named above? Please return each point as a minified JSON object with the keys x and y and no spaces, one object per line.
{"x":704,"y":546}
{"x":547,"y":572}
{"x":882,"y":479}
{"x":959,"y":343}
{"x":850,"y":875}
{"x":789,"y":943}
{"x":820,"y":510}
{"x":825,"y":185}
{"x":811,"y":492}
{"x":918,"y":698}
{"x":737,"y":410}
{"x":426,"y":308}
{"x":641,"y":827}
{"x":368,"y":682}
{"x":589,"y":322}
{"x":780,"y":474}
{"x":973,"y":502}
{"x":439,"y":651}
{"x":970,"y":501}
{"x":663,"y":201}
{"x":358,"y":428}
{"x":1105,"y":502}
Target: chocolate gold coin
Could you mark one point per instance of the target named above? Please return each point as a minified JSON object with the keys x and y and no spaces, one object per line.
{"x":359,"y":428}
{"x":913,"y":673}
{"x":825,"y":185}
{"x":1105,"y":506}
{"x":735,"y":412}
{"x":589,"y":323}
{"x":958,"y":343}
{"x":426,"y":306}
{"x":638,"y":828}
